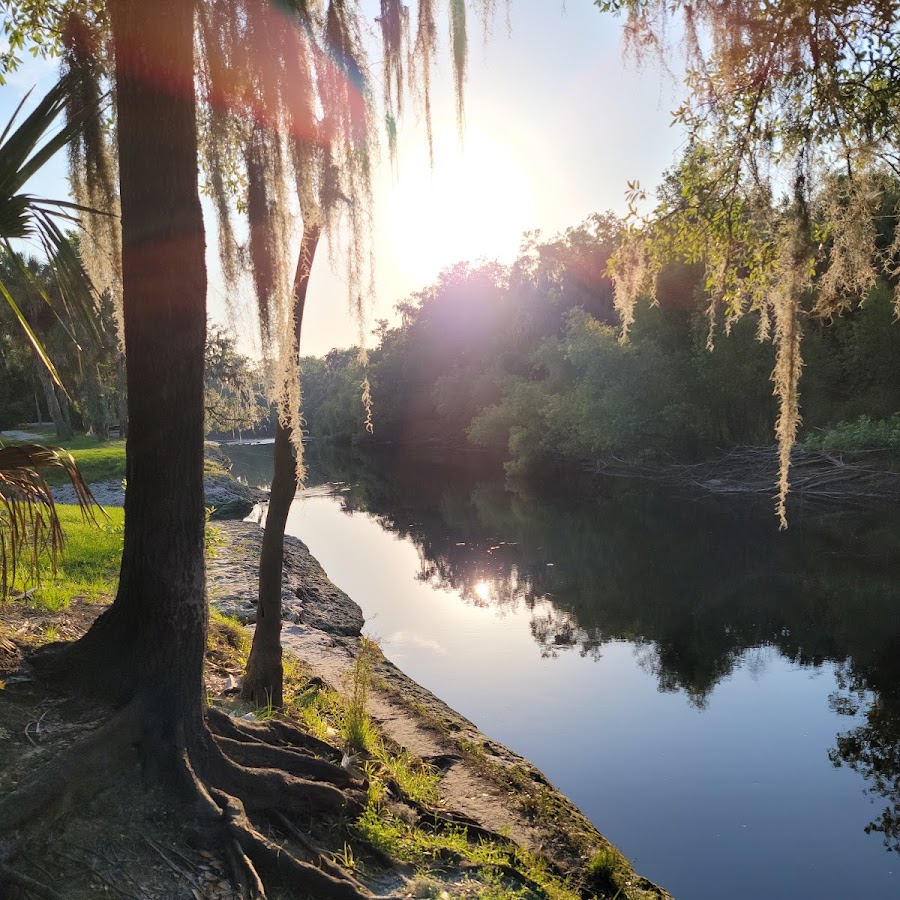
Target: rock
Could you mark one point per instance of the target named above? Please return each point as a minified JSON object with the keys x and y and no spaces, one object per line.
{"x":307,"y":595}
{"x":233,"y":509}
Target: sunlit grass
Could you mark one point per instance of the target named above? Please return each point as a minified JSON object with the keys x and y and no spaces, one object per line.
{"x":96,"y":460}
{"x":88,"y":566}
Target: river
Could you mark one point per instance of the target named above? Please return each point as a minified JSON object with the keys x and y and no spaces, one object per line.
{"x":721,"y":699}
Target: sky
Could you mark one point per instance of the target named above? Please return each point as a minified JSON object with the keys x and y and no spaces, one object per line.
{"x":556,"y":123}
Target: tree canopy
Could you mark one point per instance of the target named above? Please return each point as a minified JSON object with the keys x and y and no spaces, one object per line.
{"x":790,"y":117}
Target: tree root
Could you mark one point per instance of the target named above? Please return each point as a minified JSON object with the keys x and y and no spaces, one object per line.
{"x":314,"y":853}
{"x":240,"y":775}
{"x":264,"y":756}
{"x":267,"y":789}
{"x":73,"y":772}
{"x":243,"y":873}
{"x":269,"y":856}
{"x":10,"y":876}
{"x":269,"y":733}
{"x":447,"y":820}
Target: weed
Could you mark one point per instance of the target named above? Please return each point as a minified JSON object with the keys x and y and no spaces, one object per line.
{"x":213,"y":537}
{"x":358,"y":732}
{"x":606,"y":869}
{"x":346,"y":858}
{"x":862,"y":434}
{"x":416,"y":779}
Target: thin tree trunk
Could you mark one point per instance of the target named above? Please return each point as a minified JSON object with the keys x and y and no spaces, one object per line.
{"x":263,"y":681}
{"x":121,"y":396}
{"x":65,"y":409}
{"x":37,"y":406}
{"x":63,"y":430}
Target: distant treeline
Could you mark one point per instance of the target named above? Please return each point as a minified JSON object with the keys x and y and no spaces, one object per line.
{"x":525,"y":360}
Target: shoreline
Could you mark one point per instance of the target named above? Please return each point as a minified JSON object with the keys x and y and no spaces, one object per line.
{"x":488,"y":785}
{"x":485,"y":787}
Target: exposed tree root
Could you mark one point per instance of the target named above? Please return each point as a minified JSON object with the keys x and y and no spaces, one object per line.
{"x":270,"y":857}
{"x":510,"y":872}
{"x":447,"y":820}
{"x":271,"y":733}
{"x":222,"y":777}
{"x":10,"y":877}
{"x":263,"y":756}
{"x":243,"y":873}
{"x":74,"y":773}
{"x":315,"y":855}
{"x":267,"y":789}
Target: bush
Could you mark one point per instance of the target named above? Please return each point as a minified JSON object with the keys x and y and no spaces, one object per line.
{"x":862,"y":434}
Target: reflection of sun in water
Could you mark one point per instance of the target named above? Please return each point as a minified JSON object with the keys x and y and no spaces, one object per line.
{"x":483,"y":591}
{"x":475,"y":203}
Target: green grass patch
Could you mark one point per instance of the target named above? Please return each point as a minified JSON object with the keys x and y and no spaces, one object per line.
{"x":96,"y":460}
{"x":87,"y":567}
{"x":103,"y":460}
{"x":497,"y":866}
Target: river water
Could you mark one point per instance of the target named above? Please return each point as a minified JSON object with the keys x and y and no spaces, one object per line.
{"x":721,"y":699}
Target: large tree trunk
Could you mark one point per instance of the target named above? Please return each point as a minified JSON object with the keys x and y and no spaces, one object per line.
{"x":147,"y":650}
{"x":263,"y":680}
{"x":150,"y":643}
{"x":60,"y":420}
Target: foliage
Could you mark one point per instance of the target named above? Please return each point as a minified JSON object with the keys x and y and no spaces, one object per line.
{"x":789,"y":95}
{"x":862,"y":434}
{"x":86,"y":352}
{"x":23,"y":151}
{"x":234,"y":392}
{"x":358,"y":731}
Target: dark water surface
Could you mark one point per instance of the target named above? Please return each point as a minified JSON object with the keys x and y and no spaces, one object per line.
{"x":721,"y":699}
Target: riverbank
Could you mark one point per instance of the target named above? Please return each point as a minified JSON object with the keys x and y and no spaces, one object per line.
{"x":489,"y":788}
{"x":484,"y":823}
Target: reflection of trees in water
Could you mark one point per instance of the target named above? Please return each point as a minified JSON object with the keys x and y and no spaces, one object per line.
{"x":872,"y":748}
{"x":698,"y":588}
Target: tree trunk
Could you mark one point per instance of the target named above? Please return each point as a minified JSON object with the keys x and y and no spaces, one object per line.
{"x":150,"y":643}
{"x":37,"y":406}
{"x":63,"y":428}
{"x":263,"y":680}
{"x":121,"y":395}
{"x":147,"y":650}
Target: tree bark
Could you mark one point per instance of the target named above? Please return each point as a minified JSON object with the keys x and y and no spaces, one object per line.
{"x":63,"y":427}
{"x":263,"y":680}
{"x":151,"y":642}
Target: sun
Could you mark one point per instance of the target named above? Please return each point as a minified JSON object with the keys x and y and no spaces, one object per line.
{"x":474,"y":204}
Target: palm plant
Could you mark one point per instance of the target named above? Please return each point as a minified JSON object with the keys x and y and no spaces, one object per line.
{"x":30,"y":529}
{"x":29,"y":525}
{"x":25,"y":216}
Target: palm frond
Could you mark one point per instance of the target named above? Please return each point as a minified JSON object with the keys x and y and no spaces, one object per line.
{"x":23,"y":151}
{"x":30,"y":530}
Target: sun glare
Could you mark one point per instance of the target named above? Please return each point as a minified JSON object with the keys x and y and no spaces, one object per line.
{"x":475,"y":203}
{"x":483,"y":591}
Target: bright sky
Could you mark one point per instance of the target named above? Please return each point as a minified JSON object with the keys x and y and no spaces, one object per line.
{"x":556,"y":123}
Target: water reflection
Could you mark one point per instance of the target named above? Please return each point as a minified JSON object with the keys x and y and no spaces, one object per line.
{"x":695,"y":583}
{"x":699,"y":588}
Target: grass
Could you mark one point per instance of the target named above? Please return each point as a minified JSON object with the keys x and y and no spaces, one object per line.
{"x":102,"y":460}
{"x":358,"y":730}
{"x":88,"y":566}
{"x":607,"y":868}
{"x":96,"y":460}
